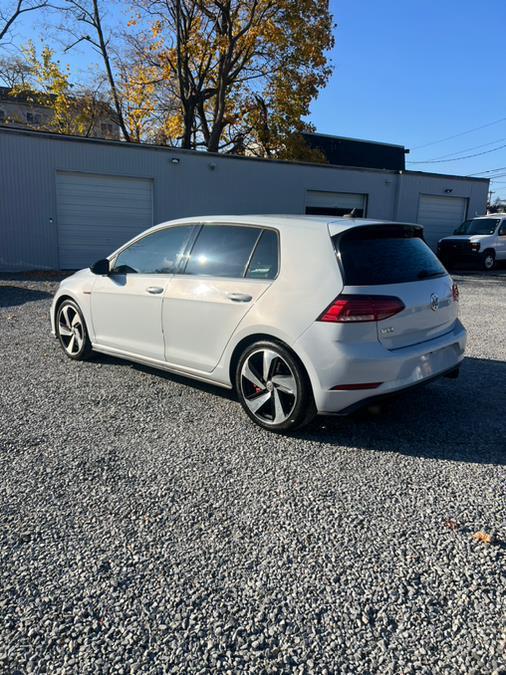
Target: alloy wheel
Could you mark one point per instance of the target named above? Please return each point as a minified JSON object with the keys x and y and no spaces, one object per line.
{"x":268,"y":386}
{"x":71,"y":330}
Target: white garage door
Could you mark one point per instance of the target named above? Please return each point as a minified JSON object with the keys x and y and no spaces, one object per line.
{"x":96,"y":214}
{"x":335,"y":203}
{"x":440,"y":216}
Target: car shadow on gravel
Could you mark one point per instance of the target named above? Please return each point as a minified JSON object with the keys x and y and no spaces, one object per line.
{"x":456,"y":420}
{"x":11,"y":296}
{"x":172,"y":377}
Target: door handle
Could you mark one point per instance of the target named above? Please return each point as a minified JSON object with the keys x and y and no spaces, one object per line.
{"x":154,"y":290}
{"x":239,"y":297}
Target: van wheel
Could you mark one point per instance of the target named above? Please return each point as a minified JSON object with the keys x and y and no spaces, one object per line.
{"x":274,"y":388}
{"x":488,"y":260}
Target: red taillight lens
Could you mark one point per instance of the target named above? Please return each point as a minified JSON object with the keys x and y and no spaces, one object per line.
{"x":356,"y":387}
{"x":356,"y":308}
{"x":455,"y":292}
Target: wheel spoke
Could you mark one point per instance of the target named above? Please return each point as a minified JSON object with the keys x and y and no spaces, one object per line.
{"x":75,"y":320}
{"x":65,"y":314}
{"x":250,"y":375}
{"x":64,"y":330}
{"x":269,"y":357}
{"x":285,"y":383}
{"x":256,"y":403}
{"x":279,"y":413}
{"x":71,"y":344}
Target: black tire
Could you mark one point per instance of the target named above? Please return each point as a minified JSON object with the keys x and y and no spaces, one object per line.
{"x":285,"y":374}
{"x":488,"y":260}
{"x":71,"y":331}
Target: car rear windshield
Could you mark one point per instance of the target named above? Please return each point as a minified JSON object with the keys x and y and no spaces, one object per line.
{"x":392,"y":254}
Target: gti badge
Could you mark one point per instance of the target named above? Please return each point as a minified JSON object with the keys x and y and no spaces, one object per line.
{"x":434,"y":302}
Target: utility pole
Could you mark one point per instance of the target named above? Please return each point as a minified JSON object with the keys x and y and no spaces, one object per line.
{"x":489,"y":204}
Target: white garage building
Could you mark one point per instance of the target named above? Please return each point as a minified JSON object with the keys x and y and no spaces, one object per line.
{"x":66,"y":202}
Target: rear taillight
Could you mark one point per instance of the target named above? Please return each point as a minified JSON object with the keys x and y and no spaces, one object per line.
{"x":455,"y":292}
{"x":356,"y":387}
{"x":357,"y":308}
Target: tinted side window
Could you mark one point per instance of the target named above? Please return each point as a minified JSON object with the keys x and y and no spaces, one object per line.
{"x":264,"y":262}
{"x":222,"y":250}
{"x":502,"y":229}
{"x":157,"y":253}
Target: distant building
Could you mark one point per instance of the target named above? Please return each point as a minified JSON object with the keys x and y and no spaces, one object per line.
{"x":68,"y":201}
{"x":343,"y":151}
{"x":30,"y":111}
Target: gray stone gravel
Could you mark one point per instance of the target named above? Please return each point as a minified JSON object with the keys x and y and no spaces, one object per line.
{"x":148,"y":527}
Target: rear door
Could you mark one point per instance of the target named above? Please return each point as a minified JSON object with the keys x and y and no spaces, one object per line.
{"x":228,"y":269}
{"x":395,"y":261}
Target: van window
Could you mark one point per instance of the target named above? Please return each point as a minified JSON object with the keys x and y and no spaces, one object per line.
{"x":478,"y":226}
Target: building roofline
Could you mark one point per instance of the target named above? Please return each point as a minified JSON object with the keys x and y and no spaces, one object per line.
{"x":200,"y":153}
{"x":430,"y":174}
{"x":349,"y":138}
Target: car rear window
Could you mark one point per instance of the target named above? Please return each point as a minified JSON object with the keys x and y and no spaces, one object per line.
{"x":391,"y":254}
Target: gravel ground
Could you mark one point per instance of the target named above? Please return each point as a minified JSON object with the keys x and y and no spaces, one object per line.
{"x":148,"y":526}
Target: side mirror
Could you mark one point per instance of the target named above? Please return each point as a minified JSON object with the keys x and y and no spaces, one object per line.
{"x":101,"y":267}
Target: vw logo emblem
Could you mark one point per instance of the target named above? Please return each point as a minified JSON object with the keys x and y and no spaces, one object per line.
{"x":434,"y":302}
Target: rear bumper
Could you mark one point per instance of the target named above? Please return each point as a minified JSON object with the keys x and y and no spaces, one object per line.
{"x":333,"y":363}
{"x":380,"y":398}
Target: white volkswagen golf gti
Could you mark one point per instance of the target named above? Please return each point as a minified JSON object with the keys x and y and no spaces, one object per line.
{"x":299,"y":314}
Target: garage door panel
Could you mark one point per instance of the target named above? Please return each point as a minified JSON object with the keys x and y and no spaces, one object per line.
{"x":97,"y":213}
{"x":321,"y":202}
{"x":440,"y":215}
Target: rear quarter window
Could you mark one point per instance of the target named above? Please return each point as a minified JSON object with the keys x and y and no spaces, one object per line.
{"x":380,"y":255}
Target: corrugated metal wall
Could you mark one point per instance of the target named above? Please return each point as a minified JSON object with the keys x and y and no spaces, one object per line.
{"x":184,"y":184}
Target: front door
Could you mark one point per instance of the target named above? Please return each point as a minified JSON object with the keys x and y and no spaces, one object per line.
{"x":501,"y":242}
{"x":229,"y":268}
{"x":126,"y":305}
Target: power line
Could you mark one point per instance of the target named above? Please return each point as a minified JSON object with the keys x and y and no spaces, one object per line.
{"x":456,"y":159}
{"x":480,"y":173}
{"x":473,"y":147}
{"x":462,"y":133}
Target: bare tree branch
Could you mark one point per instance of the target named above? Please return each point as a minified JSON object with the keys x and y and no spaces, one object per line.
{"x":20,"y":7}
{"x":90,"y":14}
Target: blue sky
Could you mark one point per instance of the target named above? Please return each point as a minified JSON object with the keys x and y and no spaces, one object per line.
{"x":416,"y":71}
{"x":410,"y":72}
